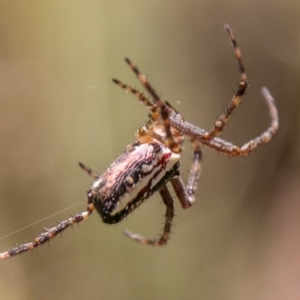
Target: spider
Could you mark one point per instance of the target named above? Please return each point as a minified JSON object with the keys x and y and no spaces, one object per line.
{"x":153,"y":159}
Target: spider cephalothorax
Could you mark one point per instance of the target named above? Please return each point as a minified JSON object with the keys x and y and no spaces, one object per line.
{"x":152,"y":161}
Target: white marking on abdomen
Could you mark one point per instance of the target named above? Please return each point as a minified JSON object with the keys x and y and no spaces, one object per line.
{"x":131,"y":194}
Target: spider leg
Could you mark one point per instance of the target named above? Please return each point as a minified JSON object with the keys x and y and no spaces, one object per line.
{"x":221,"y":145}
{"x":144,"y":100}
{"x":48,"y":234}
{"x":195,"y":171}
{"x":163,"y":108}
{"x":268,"y":134}
{"x":237,"y":97}
{"x":89,"y":170}
{"x":146,"y":133}
{"x":168,"y":201}
{"x":186,"y":194}
{"x":145,"y":83}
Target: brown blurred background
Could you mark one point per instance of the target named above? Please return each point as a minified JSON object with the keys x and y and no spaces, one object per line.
{"x":58,"y":106}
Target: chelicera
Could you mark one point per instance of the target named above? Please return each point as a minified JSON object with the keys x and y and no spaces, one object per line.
{"x":153,"y":160}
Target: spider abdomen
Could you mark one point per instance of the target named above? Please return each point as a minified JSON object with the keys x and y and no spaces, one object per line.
{"x":132,"y":178}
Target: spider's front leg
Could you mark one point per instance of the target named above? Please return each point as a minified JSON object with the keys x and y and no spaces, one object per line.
{"x":159,"y":105}
{"x":237,"y":97}
{"x":223,"y":146}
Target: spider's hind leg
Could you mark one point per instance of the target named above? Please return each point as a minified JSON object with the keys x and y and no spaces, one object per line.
{"x":168,"y":201}
{"x":48,"y":234}
{"x":88,"y":170}
{"x":186,"y":194}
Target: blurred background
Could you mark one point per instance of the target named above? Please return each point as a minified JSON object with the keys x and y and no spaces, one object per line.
{"x":58,"y":106}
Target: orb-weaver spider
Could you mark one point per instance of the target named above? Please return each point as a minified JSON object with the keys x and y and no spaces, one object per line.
{"x":149,"y":163}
